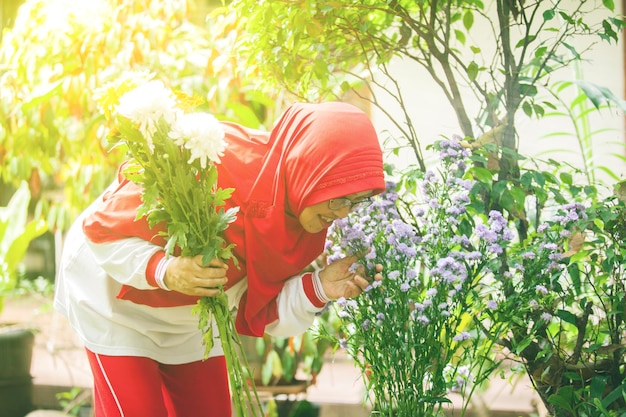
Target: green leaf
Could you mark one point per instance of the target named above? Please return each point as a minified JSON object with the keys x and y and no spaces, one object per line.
{"x":548,"y":15}
{"x":519,"y":195}
{"x":482,"y":174}
{"x":574,"y":273}
{"x":460,"y":36}
{"x":507,"y":202}
{"x":616,"y":394}
{"x":41,"y":94}
{"x":472,"y":70}
{"x":609,"y":4}
{"x":539,"y":178}
{"x":566,"y":178}
{"x":519,"y":348}
{"x":16,"y":234}
{"x":567,"y":317}
{"x":289,"y":366}
{"x":244,"y":114}
{"x":565,"y":16}
{"x":572,"y":50}
{"x":596,"y":388}
{"x":259,"y":346}
{"x":525,"y":41}
{"x":528,"y":90}
{"x":468,"y":19}
{"x":563,"y":399}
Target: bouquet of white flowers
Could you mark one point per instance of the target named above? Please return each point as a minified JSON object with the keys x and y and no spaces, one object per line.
{"x":173,"y":156}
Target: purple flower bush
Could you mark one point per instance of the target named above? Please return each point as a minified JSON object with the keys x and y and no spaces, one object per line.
{"x":411,"y":333}
{"x":461,"y":290}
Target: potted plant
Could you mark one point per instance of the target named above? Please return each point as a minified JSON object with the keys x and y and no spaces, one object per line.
{"x":16,"y":342}
{"x":287,"y":366}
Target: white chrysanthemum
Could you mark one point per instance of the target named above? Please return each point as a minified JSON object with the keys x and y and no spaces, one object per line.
{"x":202,"y":134}
{"x":146,"y":104}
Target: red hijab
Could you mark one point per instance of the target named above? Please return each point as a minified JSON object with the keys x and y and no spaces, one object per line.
{"x":314,"y":153}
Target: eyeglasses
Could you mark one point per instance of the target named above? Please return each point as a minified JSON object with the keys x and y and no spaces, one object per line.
{"x":339,"y":203}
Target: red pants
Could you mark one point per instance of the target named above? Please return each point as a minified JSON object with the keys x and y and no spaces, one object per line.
{"x":128,"y":386}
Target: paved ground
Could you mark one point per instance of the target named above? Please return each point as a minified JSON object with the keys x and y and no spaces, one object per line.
{"x":59,"y":364}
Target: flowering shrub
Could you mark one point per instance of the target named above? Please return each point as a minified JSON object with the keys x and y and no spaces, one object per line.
{"x":460,"y":285}
{"x":560,"y":299}
{"x":411,"y":333}
{"x":173,"y":156}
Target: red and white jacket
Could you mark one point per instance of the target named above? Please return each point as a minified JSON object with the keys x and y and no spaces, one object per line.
{"x":91,"y":276}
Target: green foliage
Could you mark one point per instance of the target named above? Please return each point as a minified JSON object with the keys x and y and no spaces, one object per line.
{"x":285,"y":360}
{"x":16,"y":233}
{"x":575,"y":102}
{"x":499,"y":52}
{"x":560,"y":291}
{"x":73,"y":400}
{"x":58,"y":53}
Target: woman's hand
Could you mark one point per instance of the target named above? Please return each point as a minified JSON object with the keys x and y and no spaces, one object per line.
{"x":338,"y":280}
{"x":187,"y":275}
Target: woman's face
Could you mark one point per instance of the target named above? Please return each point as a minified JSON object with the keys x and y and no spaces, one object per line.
{"x":320,"y":216}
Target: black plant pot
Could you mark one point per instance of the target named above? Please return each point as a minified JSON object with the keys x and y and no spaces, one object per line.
{"x":16,"y":382}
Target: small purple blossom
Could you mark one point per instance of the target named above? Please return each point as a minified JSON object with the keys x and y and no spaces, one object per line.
{"x":541,"y":289}
{"x":549,"y":246}
{"x":461,"y":240}
{"x":393,"y":275}
{"x":555,"y":257}
{"x":473,"y":256}
{"x":495,"y":248}
{"x":483,"y":232}
{"x":462,"y":336}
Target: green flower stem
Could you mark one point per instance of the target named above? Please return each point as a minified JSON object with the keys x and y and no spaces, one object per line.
{"x":185,"y":197}
{"x":245,"y":398}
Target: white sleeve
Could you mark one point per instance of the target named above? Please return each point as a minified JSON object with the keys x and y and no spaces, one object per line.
{"x":296,"y":312}
{"x":125,"y":260}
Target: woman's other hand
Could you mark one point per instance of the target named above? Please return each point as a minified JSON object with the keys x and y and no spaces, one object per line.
{"x":187,"y":275}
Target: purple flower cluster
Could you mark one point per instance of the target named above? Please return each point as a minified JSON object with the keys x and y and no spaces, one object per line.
{"x":496,"y":232}
{"x":452,"y":154}
{"x":445,"y":265}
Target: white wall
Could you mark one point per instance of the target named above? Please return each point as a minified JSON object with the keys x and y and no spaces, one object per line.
{"x":433,"y":115}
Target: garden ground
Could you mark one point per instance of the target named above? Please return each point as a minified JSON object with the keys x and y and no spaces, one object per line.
{"x":59,"y":365}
